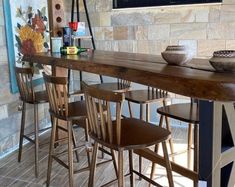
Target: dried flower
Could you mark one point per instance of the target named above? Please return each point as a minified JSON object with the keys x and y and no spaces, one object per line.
{"x":26,"y":33}
{"x":28,"y":47}
{"x":37,"y":24}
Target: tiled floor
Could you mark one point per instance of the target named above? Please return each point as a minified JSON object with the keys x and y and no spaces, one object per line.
{"x":16,"y":174}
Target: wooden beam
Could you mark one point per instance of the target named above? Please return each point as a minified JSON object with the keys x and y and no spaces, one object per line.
{"x":154,"y":157}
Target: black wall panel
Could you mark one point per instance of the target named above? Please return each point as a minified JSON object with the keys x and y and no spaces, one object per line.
{"x":145,"y":3}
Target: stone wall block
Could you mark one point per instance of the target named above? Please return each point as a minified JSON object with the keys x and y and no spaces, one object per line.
{"x":126,"y":46}
{"x":230,"y":44}
{"x":120,"y":33}
{"x":2,"y":36}
{"x":141,"y":32}
{"x":221,"y":30}
{"x":98,"y":33}
{"x":159,"y":32}
{"x":3,"y":55}
{"x":3,"y":112}
{"x":143,"y":46}
{"x":108,"y":33}
{"x":105,"y":19}
{"x":173,"y":15}
{"x":131,"y":33}
{"x":1,"y":16}
{"x":214,"y":14}
{"x":207,"y":47}
{"x":227,"y":13}
{"x":136,"y":18}
{"x":104,"y":5}
{"x":158,"y":46}
{"x":228,"y":1}
{"x":95,"y":19}
{"x":188,"y":31}
{"x":104,"y":45}
{"x":202,"y":15}
{"x":4,"y":76}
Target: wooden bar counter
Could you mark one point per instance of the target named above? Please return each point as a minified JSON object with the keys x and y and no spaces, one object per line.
{"x":216,"y":92}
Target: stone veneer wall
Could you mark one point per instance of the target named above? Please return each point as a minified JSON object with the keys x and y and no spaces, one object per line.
{"x":9,"y":115}
{"x":205,"y":28}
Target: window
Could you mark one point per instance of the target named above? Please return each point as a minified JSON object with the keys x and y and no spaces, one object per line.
{"x":146,"y":3}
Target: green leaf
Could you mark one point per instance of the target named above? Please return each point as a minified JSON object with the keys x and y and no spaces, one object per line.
{"x":43,"y":11}
{"x":39,"y":13}
{"x":30,"y":15}
{"x":30,"y":9}
{"x":18,"y":26}
{"x":46,"y":45}
{"x":44,"y":18}
{"x":18,"y":12}
{"x":18,"y":40}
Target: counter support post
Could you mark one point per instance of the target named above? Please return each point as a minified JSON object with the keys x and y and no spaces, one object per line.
{"x":217,"y":138}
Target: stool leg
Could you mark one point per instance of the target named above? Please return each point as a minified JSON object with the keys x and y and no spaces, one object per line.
{"x":93,"y":165}
{"x":140,"y":158}
{"x":75,"y":145}
{"x":130,"y":110}
{"x":147,"y":112}
{"x":168,"y":127}
{"x":168,"y":165}
{"x":87,"y":140}
{"x":131,"y":166}
{"x":190,"y":134}
{"x":70,"y":153}
{"x":120,"y":169}
{"x":36,"y":138}
{"x":196,"y":151}
{"x":114,"y":162}
{"x":156,"y":151}
{"x":51,"y":150}
{"x":22,"y":131}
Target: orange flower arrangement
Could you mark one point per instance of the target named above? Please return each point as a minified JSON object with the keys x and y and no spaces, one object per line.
{"x":31,"y":36}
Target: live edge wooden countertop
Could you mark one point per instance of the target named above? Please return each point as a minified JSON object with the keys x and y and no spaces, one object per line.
{"x":197,"y":79}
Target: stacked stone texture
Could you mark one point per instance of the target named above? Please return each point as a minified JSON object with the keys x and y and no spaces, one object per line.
{"x":205,"y":28}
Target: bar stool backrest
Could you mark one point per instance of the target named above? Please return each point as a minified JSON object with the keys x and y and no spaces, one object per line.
{"x":100,"y":122}
{"x":124,"y":83}
{"x":158,"y":92}
{"x":24,"y":80}
{"x":58,"y":95}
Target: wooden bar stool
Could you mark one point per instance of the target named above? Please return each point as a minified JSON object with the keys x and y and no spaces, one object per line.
{"x":61,"y":109}
{"x":74,"y":113}
{"x":146,"y":98}
{"x":24,"y":78}
{"x":119,"y":86}
{"x":120,"y":135}
{"x":185,"y":112}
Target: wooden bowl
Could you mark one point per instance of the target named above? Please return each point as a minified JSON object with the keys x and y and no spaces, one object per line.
{"x":176,"y":55}
{"x":223,"y":61}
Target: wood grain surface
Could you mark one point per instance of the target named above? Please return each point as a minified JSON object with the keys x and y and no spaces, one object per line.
{"x":197,"y":79}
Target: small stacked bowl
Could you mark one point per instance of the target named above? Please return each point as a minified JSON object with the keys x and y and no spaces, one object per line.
{"x":176,"y":55}
{"x":223,"y":61}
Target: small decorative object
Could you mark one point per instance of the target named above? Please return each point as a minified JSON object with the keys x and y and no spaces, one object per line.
{"x":72,"y":50}
{"x":223,"y":61}
{"x":176,"y":55}
{"x":31,"y":34}
{"x":67,"y":36}
{"x":81,"y":29}
{"x":27,"y":32}
{"x":73,"y":25}
{"x":57,"y":43}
